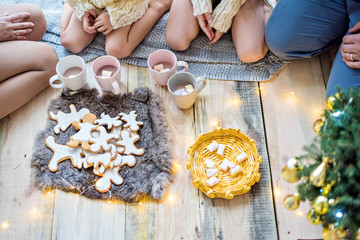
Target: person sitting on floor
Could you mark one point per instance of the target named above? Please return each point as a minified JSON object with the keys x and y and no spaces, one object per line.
{"x":247,"y":19}
{"x":124,"y":22}
{"x":25,"y":63}
{"x":313,"y":28}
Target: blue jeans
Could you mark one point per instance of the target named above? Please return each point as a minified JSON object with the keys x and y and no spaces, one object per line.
{"x":305,"y":28}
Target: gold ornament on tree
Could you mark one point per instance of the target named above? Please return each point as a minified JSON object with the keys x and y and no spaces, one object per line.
{"x":290,"y":172}
{"x":291,"y":202}
{"x":318,"y":175}
{"x":321,"y":205}
{"x":313,"y":217}
{"x":330,"y":102}
{"x":357,"y":234}
{"x":329,"y":234}
{"x":317,"y":125}
{"x":326,"y":189}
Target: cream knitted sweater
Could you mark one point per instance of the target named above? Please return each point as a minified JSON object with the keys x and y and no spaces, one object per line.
{"x":121,"y":12}
{"x":223,"y":13}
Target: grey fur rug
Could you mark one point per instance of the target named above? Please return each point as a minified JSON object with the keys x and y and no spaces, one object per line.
{"x":152,"y":171}
{"x":218,"y":61}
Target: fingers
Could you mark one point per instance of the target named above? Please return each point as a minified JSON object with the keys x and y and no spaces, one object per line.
{"x":355,"y":28}
{"x":18,"y":16}
{"x":216,"y":37}
{"x":355,"y":64}
{"x":107,"y":31}
{"x":22,"y":32}
{"x":350,"y":57}
{"x":205,"y":26}
{"x":22,"y":25}
{"x":4,"y":14}
{"x":208,"y":17}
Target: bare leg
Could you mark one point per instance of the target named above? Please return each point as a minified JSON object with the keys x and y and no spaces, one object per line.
{"x":248,"y":30}
{"x":25,"y":73}
{"x":121,"y":42}
{"x":36,"y":16}
{"x":73,"y":37}
{"x":182,"y":26}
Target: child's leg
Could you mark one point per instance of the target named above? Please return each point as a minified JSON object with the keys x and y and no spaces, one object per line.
{"x":36,"y":16}
{"x":121,"y":42}
{"x":73,"y":36}
{"x":21,"y":78}
{"x":182,"y":26}
{"x":248,"y":30}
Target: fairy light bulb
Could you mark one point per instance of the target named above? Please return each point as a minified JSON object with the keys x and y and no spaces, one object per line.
{"x":236,"y":101}
{"x":299,"y":213}
{"x":109,"y":202}
{"x":215,"y":123}
{"x":292,"y":93}
{"x":5,"y":225}
{"x":34,"y":210}
{"x":171,"y":198}
{"x":176,"y":167}
{"x":277,"y":192}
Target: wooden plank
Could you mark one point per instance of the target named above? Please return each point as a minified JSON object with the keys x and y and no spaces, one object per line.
{"x":82,"y":218}
{"x":326,"y":60}
{"x":177,"y":215}
{"x":292,"y":101}
{"x":236,"y":105}
{"x":25,"y":211}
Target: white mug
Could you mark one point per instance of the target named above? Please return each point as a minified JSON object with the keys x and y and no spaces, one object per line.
{"x":71,"y":73}
{"x":178,"y":81}
{"x":111,"y":66}
{"x":163,"y":56}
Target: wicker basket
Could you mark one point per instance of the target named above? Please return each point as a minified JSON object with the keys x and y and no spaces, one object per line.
{"x":229,"y":186}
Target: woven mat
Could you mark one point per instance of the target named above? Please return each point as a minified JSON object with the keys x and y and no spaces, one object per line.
{"x":150,"y":175}
{"x":218,"y":61}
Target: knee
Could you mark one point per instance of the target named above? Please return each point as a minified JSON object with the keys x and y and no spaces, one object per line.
{"x":175,"y":42}
{"x":38,"y":18}
{"x":119,"y":51}
{"x":49,"y":60}
{"x":279,"y":42}
{"x":70,"y":42}
{"x":252,"y":54}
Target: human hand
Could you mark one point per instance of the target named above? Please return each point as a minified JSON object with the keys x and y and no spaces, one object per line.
{"x":350,"y":48}
{"x":103,"y":24}
{"x":217,"y":36}
{"x":204,"y":21}
{"x":12,"y":27}
{"x":89,"y":20}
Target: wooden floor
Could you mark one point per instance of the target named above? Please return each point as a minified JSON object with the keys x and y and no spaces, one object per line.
{"x":278,"y":114}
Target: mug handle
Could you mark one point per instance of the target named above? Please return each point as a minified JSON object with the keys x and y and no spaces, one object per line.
{"x":201,"y":83}
{"x":182,"y":64}
{"x":115,"y":87}
{"x":56,"y":78}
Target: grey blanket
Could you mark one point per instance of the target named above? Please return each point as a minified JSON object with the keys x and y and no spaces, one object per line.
{"x":218,"y":61}
{"x":152,"y":171}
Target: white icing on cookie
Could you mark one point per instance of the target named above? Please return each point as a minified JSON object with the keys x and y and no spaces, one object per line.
{"x":97,"y":160}
{"x":117,"y":131}
{"x":110,"y":176}
{"x":63,"y":152}
{"x":109,"y":121}
{"x":128,"y":142}
{"x":101,"y":142}
{"x":131,"y":121}
{"x":65,"y":119}
{"x":82,"y":135}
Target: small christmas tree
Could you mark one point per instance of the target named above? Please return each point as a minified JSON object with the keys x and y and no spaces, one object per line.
{"x":330,"y":169}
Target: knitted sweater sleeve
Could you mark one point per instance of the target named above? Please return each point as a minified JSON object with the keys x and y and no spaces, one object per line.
{"x":224,"y":14}
{"x":123,"y":13}
{"x":80,"y":7}
{"x":201,"y":6}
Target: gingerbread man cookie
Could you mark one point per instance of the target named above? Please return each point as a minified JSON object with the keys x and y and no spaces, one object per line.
{"x":65,"y":119}
{"x":109,"y":121}
{"x":82,"y":136}
{"x":102,"y":141}
{"x":128,"y":142}
{"x":110,"y":176}
{"x":63,"y":152}
{"x":131,"y":121}
{"x":99,"y":159}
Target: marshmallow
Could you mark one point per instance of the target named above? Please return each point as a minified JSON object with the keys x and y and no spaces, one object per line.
{"x":210,"y":172}
{"x":224,"y":165}
{"x":158,"y":67}
{"x":189,"y":88}
{"x":72,"y":76}
{"x":221,"y":149}
{"x":241,"y":157}
{"x":209,"y":163}
{"x":232,"y":165}
{"x":212,"y":181}
{"x":184,"y":93}
{"x":105,"y":73}
{"x":212,"y":146}
{"x":235,"y":170}
{"x":165,"y":70}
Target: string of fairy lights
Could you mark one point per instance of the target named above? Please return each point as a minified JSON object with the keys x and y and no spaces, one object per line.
{"x":170,"y":197}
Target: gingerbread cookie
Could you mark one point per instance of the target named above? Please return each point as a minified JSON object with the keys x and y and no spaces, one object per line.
{"x":131,"y":121}
{"x":128,"y":142}
{"x":102,"y":141}
{"x":110,"y":176}
{"x":99,"y":159}
{"x":65,"y":119}
{"x":109,"y":121}
{"x":63,"y":152}
{"x":82,"y":136}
